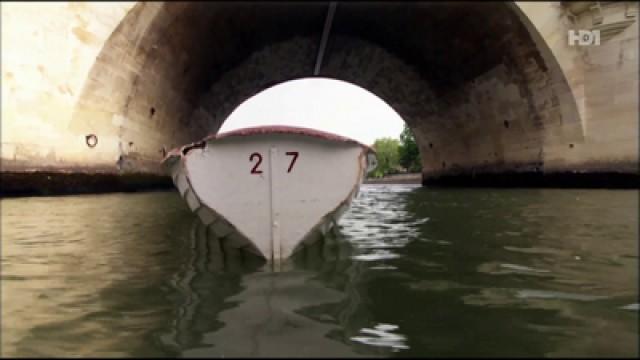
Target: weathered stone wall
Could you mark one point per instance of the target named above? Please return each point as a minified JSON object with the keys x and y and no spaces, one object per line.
{"x":486,"y":88}
{"x":48,"y":50}
{"x":603,"y":80}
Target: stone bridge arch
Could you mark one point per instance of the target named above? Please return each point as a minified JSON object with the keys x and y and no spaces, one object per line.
{"x":486,"y":87}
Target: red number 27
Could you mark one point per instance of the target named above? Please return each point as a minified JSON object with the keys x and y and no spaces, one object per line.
{"x":255,"y":169}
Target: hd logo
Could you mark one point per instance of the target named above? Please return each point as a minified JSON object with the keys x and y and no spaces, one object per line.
{"x":584,"y":37}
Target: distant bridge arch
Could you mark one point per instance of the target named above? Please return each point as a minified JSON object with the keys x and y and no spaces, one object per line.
{"x":485,"y":87}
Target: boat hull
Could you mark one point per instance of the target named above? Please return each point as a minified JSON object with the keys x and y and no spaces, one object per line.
{"x":270,"y":193}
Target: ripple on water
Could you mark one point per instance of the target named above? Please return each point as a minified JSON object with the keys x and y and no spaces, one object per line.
{"x":381,"y":335}
{"x":379,"y":222}
{"x":543,"y":294}
{"x":632,"y":307}
{"x":496,"y":268}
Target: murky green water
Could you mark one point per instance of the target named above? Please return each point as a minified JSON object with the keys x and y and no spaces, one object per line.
{"x":415,"y":272}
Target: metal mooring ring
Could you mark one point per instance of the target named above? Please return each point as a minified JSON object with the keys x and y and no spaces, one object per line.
{"x":91,"y":140}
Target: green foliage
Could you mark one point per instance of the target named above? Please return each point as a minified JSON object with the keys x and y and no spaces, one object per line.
{"x":388,"y":156}
{"x":408,"y":152}
{"x":393,"y":154}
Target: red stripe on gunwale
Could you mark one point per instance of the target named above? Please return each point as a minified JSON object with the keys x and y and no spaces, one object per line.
{"x":284,"y":129}
{"x":272,"y":129}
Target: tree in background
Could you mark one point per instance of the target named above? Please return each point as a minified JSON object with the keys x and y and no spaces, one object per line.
{"x":387,"y":154}
{"x":408,"y":153}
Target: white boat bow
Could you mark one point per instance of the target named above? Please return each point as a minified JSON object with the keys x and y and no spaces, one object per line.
{"x":270,"y":189}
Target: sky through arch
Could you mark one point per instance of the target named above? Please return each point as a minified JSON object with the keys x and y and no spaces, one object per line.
{"x":321,"y":103}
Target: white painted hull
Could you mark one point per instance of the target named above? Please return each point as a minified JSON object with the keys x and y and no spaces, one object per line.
{"x":269,"y":190}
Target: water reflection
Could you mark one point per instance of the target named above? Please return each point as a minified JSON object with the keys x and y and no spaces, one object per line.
{"x":86,"y":275}
{"x":382,"y":336}
{"x":409,"y":272}
{"x":233,"y":305}
{"x":550,"y":268}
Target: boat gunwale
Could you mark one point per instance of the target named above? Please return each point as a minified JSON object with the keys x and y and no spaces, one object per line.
{"x":264,"y":130}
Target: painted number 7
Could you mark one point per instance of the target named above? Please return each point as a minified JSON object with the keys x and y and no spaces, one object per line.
{"x":293,"y":161}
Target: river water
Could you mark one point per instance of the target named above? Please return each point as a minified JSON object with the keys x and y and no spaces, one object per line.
{"x":411,"y":272}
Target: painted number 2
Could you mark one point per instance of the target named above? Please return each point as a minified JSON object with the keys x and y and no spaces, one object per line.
{"x":256,"y":155}
{"x":255,"y":167}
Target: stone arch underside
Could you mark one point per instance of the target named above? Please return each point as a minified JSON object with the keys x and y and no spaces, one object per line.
{"x":480,"y":91}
